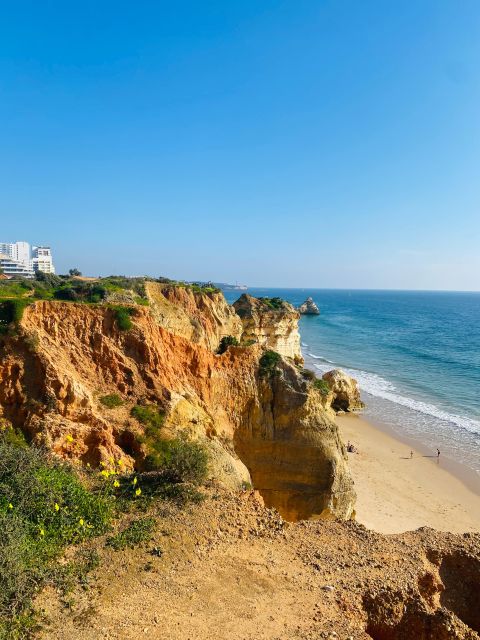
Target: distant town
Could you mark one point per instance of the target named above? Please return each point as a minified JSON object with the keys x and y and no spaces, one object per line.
{"x":19,"y":259}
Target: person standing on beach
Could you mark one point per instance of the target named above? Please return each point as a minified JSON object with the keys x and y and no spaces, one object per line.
{"x":411,"y":454}
{"x":438,"y":454}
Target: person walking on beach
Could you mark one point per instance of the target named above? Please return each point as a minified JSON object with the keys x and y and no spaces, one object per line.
{"x":411,"y":455}
{"x":438,"y":456}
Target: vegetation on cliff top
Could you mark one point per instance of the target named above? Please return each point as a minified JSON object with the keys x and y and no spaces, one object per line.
{"x":275,"y":303}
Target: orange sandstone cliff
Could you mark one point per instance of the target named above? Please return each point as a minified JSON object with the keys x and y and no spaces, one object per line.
{"x":269,"y":430}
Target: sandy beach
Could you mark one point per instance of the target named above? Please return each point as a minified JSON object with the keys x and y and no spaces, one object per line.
{"x":397,"y":493}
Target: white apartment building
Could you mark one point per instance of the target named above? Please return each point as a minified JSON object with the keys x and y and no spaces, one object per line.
{"x":42,"y":259}
{"x":18,"y":259}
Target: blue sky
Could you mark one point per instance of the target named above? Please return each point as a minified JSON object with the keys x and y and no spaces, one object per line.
{"x":295,"y":143}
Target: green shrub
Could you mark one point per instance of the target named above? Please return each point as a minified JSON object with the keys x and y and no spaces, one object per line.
{"x":225,"y":342}
{"x":322,"y":386}
{"x":11,"y":312}
{"x":274,"y":303}
{"x":137,"y":532}
{"x":268,"y":363}
{"x":150,"y":415}
{"x":309,"y":375}
{"x":123,"y":317}
{"x":66,"y":293}
{"x":44,"y":506}
{"x":111,"y":400}
{"x":181,"y":460}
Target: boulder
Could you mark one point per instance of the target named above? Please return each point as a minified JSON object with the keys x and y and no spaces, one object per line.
{"x":309,"y":308}
{"x":344,"y":391}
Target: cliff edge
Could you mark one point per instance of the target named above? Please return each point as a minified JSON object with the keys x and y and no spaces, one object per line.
{"x":266,"y":428}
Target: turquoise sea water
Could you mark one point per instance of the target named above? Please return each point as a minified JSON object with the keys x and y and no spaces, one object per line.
{"x":416,"y":356}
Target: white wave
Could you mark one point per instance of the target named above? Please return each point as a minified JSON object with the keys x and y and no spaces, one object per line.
{"x":312,"y":355}
{"x":377,"y":386}
{"x":304,"y":344}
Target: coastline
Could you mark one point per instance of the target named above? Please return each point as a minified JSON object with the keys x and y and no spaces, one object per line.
{"x":396,"y":493}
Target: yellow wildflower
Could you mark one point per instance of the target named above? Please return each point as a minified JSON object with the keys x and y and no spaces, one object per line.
{"x":116,"y":483}
{"x":57,"y":506}
{"x":42,"y":531}
{"x":69,"y":438}
{"x":134,"y":481}
{"x":138,"y":491}
{"x":105,"y":473}
{"x":111,"y":460}
{"x":10,"y":505}
{"x":81,"y":522}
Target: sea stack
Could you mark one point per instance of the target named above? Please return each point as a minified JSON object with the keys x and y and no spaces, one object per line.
{"x":309,"y":308}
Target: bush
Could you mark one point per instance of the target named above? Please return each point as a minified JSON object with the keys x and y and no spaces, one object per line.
{"x":180,"y":459}
{"x":137,"y":532}
{"x":309,"y":375}
{"x":225,"y":342}
{"x":268,"y":363}
{"x":11,"y":312}
{"x":49,"y":280}
{"x":123,"y":318}
{"x":322,"y":386}
{"x":44,"y":506}
{"x":66,"y":293}
{"x":274,"y":303}
{"x":111,"y":400}
{"x":151,"y":416}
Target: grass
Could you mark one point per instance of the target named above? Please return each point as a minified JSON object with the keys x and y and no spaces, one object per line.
{"x":322,"y":386}
{"x":150,"y":415}
{"x":111,"y":400}
{"x":136,"y":533}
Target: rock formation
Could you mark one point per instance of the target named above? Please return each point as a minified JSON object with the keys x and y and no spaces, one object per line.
{"x":270,"y":429}
{"x":270,"y":322}
{"x":344,"y":393}
{"x":309,"y":308}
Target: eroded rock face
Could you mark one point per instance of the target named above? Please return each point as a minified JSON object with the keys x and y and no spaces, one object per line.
{"x":272,"y":326}
{"x":202,"y":318}
{"x":273,"y":431}
{"x":309,"y":308}
{"x":344,"y":392}
{"x":293,"y":450}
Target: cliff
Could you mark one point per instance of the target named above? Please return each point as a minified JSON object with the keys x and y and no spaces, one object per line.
{"x":271,"y":430}
{"x":203,"y":318}
{"x":272,"y":323}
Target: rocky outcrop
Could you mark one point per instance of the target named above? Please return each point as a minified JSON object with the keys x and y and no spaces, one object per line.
{"x":344,"y":394}
{"x":270,"y":322}
{"x":293,"y":450}
{"x":309,"y":308}
{"x":270,"y":430}
{"x":203,"y":318}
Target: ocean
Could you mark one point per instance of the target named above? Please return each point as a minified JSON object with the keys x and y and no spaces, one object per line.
{"x":415,"y":355}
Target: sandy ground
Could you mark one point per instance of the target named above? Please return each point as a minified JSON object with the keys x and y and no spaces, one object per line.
{"x":397,"y":493}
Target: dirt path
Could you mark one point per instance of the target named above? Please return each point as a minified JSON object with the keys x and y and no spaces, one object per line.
{"x":231,"y":569}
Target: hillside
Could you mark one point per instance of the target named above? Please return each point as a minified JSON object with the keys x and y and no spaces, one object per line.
{"x":221,"y":499}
